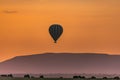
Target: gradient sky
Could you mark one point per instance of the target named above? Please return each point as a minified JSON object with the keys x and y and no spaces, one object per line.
{"x":89,"y":26}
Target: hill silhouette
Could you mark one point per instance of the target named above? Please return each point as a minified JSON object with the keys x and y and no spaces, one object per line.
{"x":62,"y":63}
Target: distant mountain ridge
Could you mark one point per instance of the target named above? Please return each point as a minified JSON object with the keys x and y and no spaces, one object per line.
{"x":62,"y":63}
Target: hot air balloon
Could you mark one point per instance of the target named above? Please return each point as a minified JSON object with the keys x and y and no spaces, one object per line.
{"x":55,"y":31}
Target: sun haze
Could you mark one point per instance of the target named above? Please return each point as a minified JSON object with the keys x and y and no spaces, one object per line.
{"x":89,"y":26}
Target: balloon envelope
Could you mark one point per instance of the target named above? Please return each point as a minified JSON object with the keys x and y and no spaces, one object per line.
{"x":55,"y":31}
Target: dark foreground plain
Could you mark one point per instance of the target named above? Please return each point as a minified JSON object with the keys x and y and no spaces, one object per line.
{"x":1,"y":78}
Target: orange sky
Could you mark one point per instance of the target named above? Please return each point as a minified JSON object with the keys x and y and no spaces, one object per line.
{"x":89,"y":26}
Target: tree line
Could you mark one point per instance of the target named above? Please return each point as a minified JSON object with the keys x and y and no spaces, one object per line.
{"x":74,"y":77}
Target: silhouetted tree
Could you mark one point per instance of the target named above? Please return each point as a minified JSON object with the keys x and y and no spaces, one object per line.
{"x":93,"y":77}
{"x":80,"y":76}
{"x":105,"y":78}
{"x":27,"y":76}
{"x":83,"y":77}
{"x":41,"y":76}
{"x":116,"y":77}
{"x":75,"y":77}
{"x":10,"y":75}
{"x":61,"y":77}
{"x":3,"y":75}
